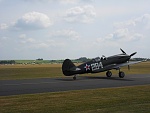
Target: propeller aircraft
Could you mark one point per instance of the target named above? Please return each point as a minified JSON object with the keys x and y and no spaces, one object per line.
{"x":98,"y":64}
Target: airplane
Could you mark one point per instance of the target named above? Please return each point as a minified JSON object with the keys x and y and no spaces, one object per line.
{"x":98,"y":64}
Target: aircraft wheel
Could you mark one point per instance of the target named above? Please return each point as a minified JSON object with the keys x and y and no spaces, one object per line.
{"x":121,"y":74}
{"x":74,"y":78}
{"x":108,"y":74}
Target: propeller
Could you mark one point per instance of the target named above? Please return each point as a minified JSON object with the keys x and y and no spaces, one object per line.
{"x":129,"y":56}
{"x":123,"y":51}
{"x":126,"y":54}
{"x":133,"y":54}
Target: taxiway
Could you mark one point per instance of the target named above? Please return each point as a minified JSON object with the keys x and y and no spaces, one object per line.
{"x":42,"y":85}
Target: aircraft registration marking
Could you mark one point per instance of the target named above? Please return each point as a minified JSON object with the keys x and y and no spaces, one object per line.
{"x":96,"y":66}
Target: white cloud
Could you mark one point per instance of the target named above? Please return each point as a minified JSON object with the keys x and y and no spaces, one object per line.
{"x":31,"y":40}
{"x":22,"y":36}
{"x":68,"y":1}
{"x":38,"y":44}
{"x":126,"y":35}
{"x":33,"y":20}
{"x":73,"y":1}
{"x":3,"y":26}
{"x":28,"y":42}
{"x":66,"y":33}
{"x":61,"y":1}
{"x":25,"y":40}
{"x":42,"y":45}
{"x":82,"y":14}
{"x":133,"y":33}
{"x":47,"y":44}
{"x":55,"y":43}
{"x":131,"y":30}
{"x":121,"y":35}
{"x":97,"y":37}
{"x":142,"y":22}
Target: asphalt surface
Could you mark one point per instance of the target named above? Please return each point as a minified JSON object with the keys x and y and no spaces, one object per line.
{"x":31,"y":86}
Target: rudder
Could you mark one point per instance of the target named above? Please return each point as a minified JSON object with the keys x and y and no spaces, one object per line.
{"x":67,"y":67}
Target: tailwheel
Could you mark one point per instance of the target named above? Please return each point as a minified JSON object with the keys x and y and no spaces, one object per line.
{"x":121,"y":74}
{"x":74,"y":78}
{"x":108,"y":74}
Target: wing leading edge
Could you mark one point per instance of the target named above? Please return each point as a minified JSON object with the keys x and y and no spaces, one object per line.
{"x":116,"y":66}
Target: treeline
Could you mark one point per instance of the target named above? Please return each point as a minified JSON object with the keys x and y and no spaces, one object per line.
{"x":81,"y":60}
{"x":7,"y":62}
{"x":41,"y":61}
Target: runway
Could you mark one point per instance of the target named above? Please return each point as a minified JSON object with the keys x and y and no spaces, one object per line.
{"x":31,"y":86}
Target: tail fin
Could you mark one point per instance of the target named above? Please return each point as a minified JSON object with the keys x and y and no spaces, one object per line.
{"x":68,"y":67}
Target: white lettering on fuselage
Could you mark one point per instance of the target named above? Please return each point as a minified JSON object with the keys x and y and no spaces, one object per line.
{"x":96,"y":66}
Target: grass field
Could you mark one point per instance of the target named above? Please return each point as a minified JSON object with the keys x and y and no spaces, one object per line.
{"x":112,"y":100}
{"x":54,"y":70}
{"x":134,"y":99}
{"x":30,"y":71}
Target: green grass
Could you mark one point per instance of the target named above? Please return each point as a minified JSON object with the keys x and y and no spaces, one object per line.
{"x":24,"y":61}
{"x":112,"y":100}
{"x":37,"y":61}
{"x":115,"y":100}
{"x":29,"y":71}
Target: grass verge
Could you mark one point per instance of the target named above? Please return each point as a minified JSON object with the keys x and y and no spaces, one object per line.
{"x":133,"y":99}
{"x":10,"y":72}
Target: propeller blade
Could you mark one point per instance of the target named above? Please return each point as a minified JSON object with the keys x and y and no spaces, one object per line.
{"x":133,"y":54}
{"x":123,"y":51}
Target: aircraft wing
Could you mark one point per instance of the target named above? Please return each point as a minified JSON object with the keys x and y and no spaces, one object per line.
{"x":125,"y":64}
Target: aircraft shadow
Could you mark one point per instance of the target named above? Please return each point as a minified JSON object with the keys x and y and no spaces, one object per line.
{"x":65,"y":79}
{"x":93,"y":77}
{"x":106,"y":78}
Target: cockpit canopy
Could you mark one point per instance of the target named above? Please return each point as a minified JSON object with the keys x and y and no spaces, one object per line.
{"x":103,"y":57}
{"x":97,"y":59}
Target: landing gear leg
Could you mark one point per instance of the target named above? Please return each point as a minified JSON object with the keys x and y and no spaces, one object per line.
{"x":74,"y":78}
{"x":108,"y":73}
{"x":121,"y":74}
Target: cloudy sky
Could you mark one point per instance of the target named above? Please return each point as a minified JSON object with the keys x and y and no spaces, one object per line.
{"x":59,"y":29}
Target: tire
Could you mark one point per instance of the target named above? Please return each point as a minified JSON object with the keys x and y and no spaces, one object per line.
{"x":74,"y":78}
{"x":121,"y":74}
{"x":108,"y":74}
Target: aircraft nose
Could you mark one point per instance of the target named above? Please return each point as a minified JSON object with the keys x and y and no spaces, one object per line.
{"x":128,"y":57}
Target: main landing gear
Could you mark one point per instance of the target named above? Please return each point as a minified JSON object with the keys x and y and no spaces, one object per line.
{"x":108,"y":73}
{"x":74,"y":78}
{"x":121,"y":74}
